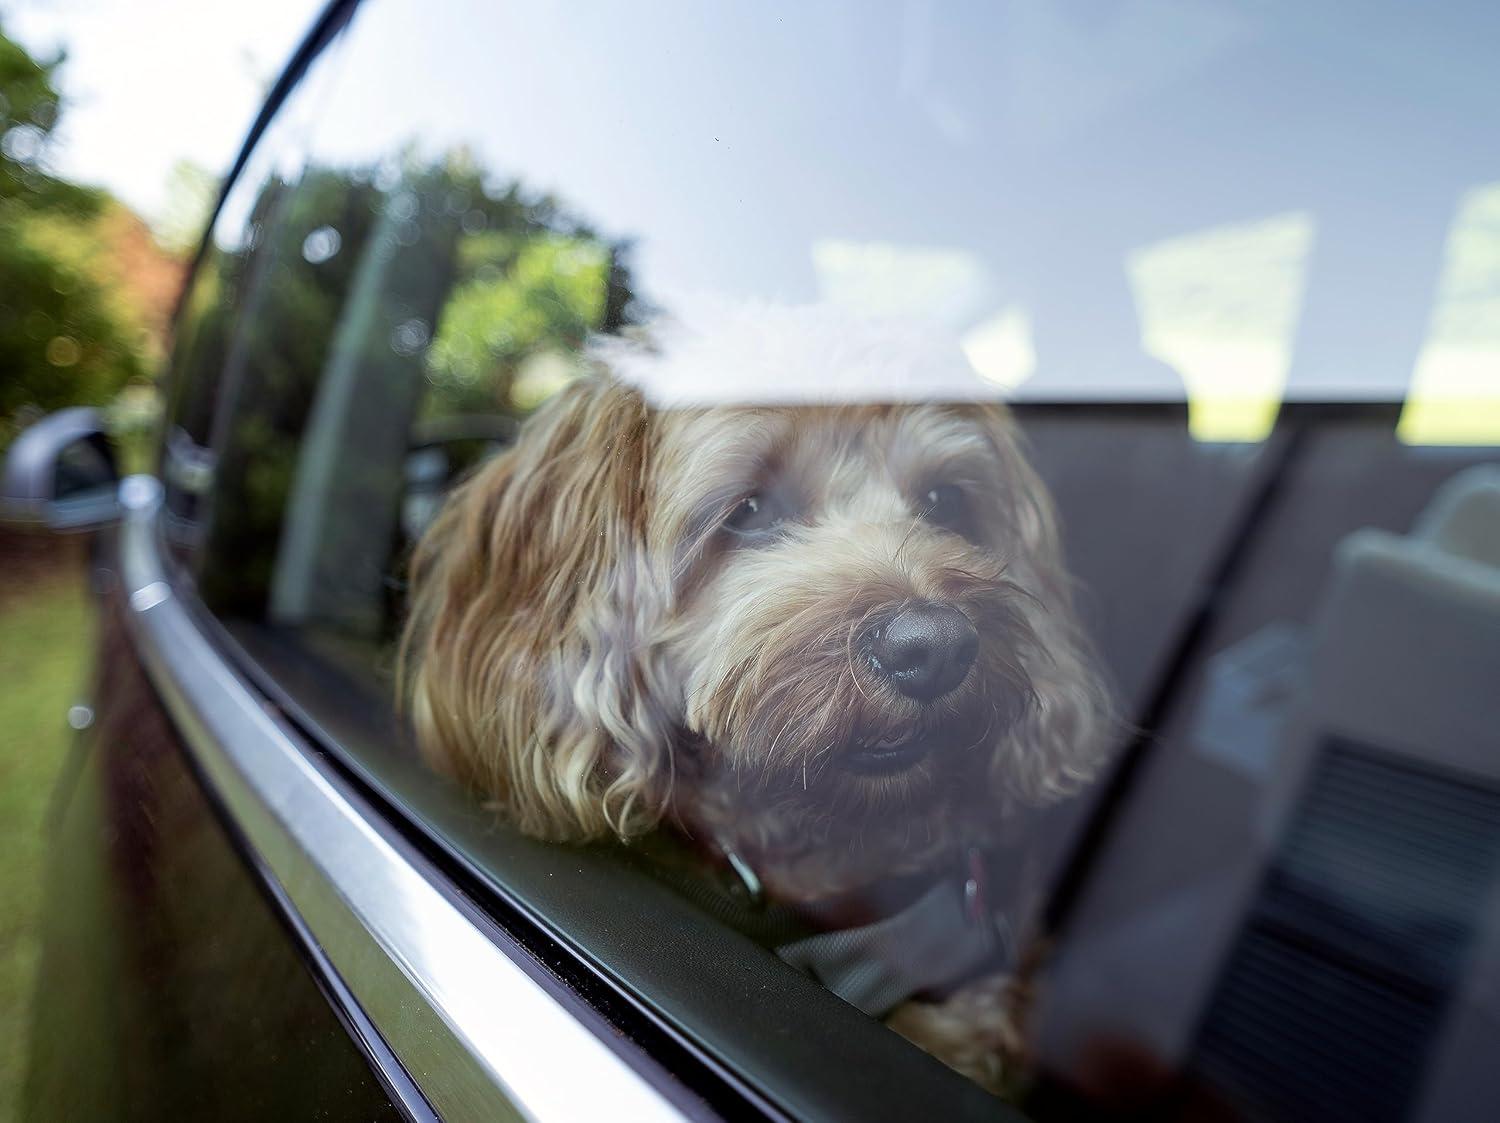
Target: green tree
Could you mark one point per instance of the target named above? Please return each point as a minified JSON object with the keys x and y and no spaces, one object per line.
{"x":61,"y":340}
{"x":441,"y":295}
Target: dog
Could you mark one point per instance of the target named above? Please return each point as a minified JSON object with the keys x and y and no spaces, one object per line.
{"x":830,"y":642}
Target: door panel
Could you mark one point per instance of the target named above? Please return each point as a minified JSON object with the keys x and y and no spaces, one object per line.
{"x":169,"y":987}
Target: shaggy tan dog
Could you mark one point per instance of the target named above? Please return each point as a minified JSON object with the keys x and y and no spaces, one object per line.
{"x":832,"y":642}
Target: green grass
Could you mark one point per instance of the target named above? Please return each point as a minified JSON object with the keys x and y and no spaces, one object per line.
{"x":44,"y":644}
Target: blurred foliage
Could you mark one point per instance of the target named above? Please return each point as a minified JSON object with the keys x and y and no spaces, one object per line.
{"x":29,"y":109}
{"x":83,"y":289}
{"x":444,"y":295}
{"x":527,"y":299}
{"x":59,"y":345}
{"x":531,"y":286}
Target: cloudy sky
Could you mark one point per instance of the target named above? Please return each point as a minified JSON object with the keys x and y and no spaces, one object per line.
{"x":151,"y":82}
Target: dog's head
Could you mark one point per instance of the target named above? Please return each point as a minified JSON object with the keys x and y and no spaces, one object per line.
{"x":837,"y":638}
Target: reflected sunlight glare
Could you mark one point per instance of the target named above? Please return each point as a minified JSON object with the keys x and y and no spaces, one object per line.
{"x":1455,"y":388}
{"x":1221,"y":307}
{"x":945,"y":286}
{"x":1001,"y":349}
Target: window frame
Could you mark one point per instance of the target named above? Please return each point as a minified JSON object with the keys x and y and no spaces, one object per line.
{"x":421,"y":977}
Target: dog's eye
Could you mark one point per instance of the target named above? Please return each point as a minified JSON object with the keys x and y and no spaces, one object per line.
{"x":947,"y":506}
{"x":752,"y":516}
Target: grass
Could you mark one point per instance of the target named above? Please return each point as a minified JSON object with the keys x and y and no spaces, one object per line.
{"x":44,"y":647}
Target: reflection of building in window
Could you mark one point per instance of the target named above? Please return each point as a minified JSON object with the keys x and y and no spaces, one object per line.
{"x":1221,"y":307}
{"x":1455,"y":390}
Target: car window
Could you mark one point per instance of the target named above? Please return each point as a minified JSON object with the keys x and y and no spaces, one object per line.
{"x":224,"y":296}
{"x":981,"y":523}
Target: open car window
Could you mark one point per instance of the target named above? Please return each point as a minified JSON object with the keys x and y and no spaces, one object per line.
{"x":821,"y":509}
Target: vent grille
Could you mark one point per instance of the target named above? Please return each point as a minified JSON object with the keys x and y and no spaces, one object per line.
{"x":1336,"y":988}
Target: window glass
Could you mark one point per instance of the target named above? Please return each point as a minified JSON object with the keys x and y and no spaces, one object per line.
{"x":997,"y":508}
{"x":225,"y":294}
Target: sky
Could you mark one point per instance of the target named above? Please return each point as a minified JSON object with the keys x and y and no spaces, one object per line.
{"x":150,"y":82}
{"x":1188,"y":194}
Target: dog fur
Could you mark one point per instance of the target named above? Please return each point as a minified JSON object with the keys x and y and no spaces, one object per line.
{"x":597,"y":646}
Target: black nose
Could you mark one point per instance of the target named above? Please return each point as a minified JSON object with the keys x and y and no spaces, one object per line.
{"x":925,"y":651}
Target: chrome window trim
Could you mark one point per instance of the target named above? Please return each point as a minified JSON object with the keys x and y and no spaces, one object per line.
{"x":475,"y":1030}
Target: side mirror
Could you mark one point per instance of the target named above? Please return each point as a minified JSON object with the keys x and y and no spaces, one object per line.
{"x":60,"y":475}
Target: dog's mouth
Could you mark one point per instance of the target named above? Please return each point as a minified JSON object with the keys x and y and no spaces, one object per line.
{"x":890,"y":754}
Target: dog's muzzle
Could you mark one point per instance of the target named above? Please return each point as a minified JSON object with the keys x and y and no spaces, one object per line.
{"x":924,"y":651}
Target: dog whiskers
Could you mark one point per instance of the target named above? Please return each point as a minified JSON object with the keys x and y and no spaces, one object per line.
{"x":988,"y":728}
{"x":857,"y":629}
{"x":854,"y":676}
{"x":912,"y":527}
{"x":776,"y":740}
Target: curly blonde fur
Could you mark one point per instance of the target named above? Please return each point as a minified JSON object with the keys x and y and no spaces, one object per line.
{"x":594,"y":649}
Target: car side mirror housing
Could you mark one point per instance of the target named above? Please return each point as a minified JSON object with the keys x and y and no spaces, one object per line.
{"x":60,"y":475}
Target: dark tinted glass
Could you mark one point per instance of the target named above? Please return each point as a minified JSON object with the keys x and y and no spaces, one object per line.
{"x":226,"y":292}
{"x":703,"y":392}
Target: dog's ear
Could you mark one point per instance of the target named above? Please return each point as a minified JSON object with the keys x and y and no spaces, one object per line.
{"x":522,"y":652}
{"x":1063,"y":740}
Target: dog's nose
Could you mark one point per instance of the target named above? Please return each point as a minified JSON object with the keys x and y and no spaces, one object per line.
{"x":925,"y":651}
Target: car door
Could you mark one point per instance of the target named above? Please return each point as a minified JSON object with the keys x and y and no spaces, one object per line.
{"x":232,"y":930}
{"x":264,"y":905}
{"x":1252,"y":376}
